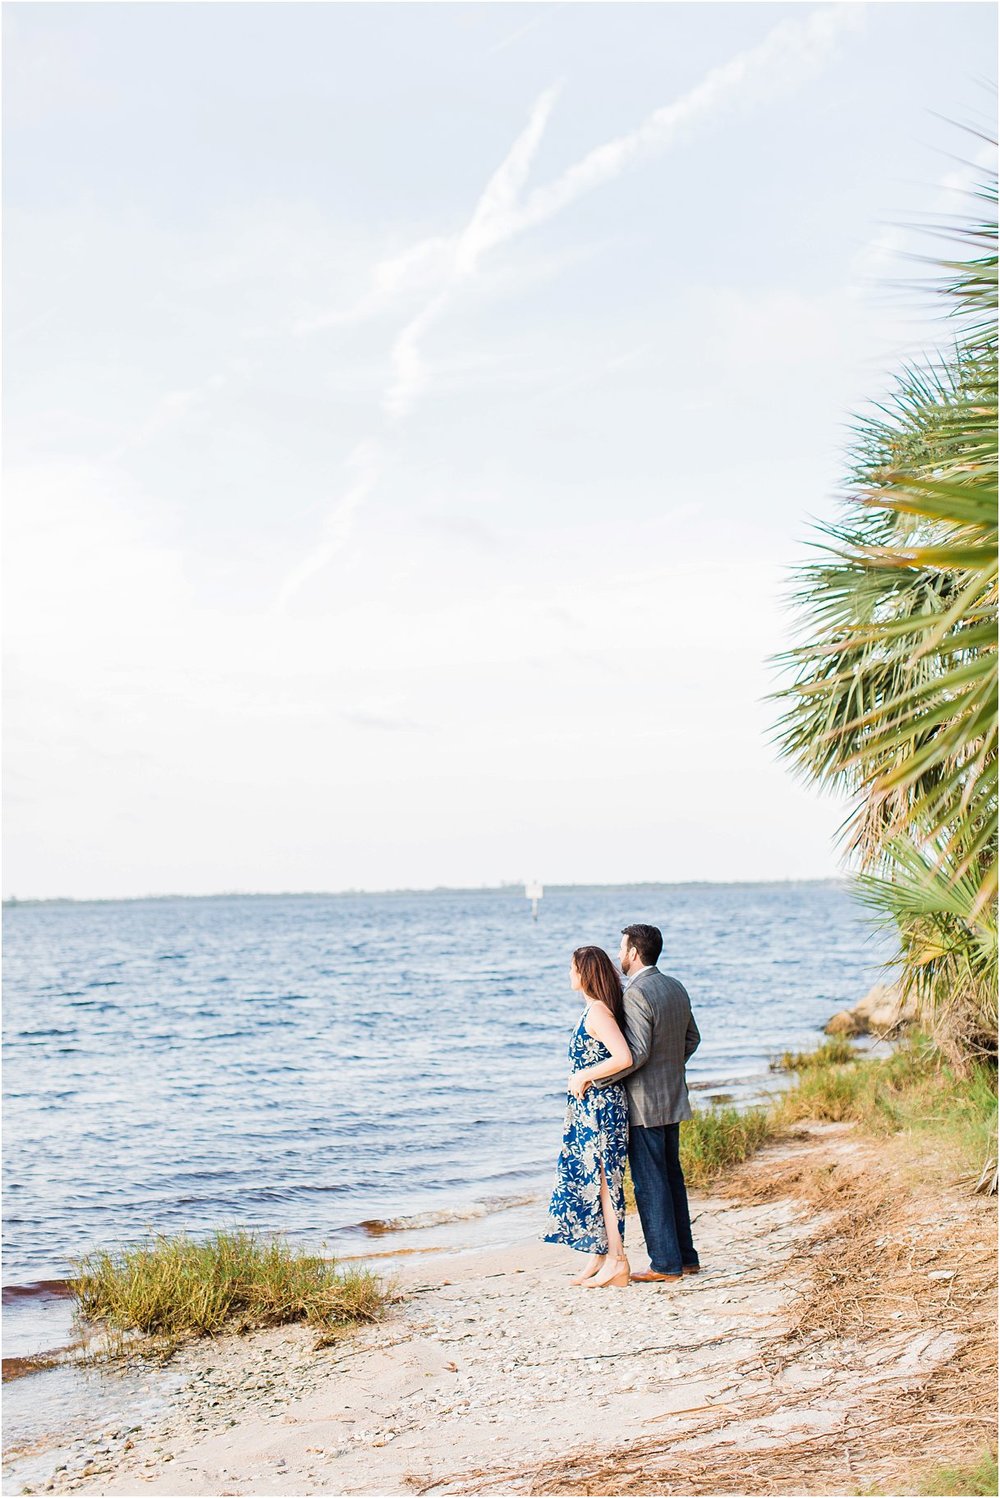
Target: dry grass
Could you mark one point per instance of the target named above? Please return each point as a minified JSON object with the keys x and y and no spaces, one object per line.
{"x":173,"y":1288}
{"x":873,"y":1265}
{"x":868,"y":1287}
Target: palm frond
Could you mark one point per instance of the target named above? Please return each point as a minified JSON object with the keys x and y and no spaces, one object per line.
{"x":891,"y":692}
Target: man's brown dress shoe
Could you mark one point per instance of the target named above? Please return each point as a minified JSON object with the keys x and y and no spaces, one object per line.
{"x":690,"y":1269}
{"x":650,"y":1274}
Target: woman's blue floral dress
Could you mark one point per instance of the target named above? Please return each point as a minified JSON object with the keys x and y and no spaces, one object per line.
{"x":596,"y":1133}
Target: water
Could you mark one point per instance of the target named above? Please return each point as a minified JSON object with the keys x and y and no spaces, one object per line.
{"x":313,"y":1064}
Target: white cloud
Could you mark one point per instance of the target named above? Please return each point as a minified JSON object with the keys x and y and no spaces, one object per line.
{"x":420,"y":265}
{"x":409,"y":372}
{"x":792,"y":51}
{"x":170,"y":410}
{"x":515,"y":36}
{"x":488,"y":225}
{"x":484,"y":229}
{"x":364,"y":464}
{"x":789,"y":55}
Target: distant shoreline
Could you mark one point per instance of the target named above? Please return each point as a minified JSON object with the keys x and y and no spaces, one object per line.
{"x":514,"y":889}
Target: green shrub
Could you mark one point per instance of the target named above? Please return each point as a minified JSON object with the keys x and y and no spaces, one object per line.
{"x":830,"y":1094}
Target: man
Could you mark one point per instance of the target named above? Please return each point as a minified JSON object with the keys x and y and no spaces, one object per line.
{"x":661,"y":1034}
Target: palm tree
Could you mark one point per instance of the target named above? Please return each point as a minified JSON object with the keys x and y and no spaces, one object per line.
{"x":893,"y":684}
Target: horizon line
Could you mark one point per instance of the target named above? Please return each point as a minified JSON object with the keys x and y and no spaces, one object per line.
{"x":504,"y":887}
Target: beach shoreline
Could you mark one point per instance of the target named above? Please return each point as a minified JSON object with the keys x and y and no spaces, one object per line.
{"x":44,"y":1303}
{"x":491,"y":1372}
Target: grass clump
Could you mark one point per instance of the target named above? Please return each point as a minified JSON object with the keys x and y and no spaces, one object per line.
{"x":828,"y":1094}
{"x":176,"y":1287}
{"x":912,"y":1091}
{"x":979,"y":1479}
{"x":717,"y":1138}
{"x":835,"y":1052}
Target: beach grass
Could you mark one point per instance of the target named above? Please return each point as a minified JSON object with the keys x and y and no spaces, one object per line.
{"x":835,"y":1052}
{"x":718,"y":1138}
{"x":913,"y":1091}
{"x":978,"y":1479}
{"x":177,"y":1287}
{"x":713,"y":1141}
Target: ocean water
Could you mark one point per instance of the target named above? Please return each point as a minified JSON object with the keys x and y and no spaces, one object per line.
{"x":344,"y":1067}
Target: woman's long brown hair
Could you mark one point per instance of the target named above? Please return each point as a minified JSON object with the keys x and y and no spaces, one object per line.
{"x":600,"y":979}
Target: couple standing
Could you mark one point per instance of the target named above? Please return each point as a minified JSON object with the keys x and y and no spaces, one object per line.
{"x":627,"y":1097}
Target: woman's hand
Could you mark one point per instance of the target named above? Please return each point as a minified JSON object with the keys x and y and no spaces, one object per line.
{"x":578,"y":1083}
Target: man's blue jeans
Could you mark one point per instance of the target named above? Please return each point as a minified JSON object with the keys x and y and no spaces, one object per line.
{"x":661,"y":1196}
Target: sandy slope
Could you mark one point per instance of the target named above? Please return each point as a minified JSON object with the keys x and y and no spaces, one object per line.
{"x":499,"y":1366}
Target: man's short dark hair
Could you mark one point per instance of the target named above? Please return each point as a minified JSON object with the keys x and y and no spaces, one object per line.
{"x":647,"y":940}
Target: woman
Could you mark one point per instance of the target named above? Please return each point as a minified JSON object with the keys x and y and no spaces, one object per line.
{"x":587,"y":1210}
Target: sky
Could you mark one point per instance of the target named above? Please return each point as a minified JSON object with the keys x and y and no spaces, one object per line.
{"x":413,"y":416}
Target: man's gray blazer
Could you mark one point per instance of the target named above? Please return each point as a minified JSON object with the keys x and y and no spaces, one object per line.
{"x":661,"y":1035}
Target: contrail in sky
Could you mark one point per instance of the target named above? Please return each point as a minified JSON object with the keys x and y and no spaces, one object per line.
{"x":794,"y":50}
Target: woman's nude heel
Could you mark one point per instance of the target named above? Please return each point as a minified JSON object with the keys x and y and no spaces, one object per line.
{"x":586,"y":1274}
{"x":619,"y":1279}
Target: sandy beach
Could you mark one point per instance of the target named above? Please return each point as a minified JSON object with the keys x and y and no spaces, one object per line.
{"x":492,"y":1373}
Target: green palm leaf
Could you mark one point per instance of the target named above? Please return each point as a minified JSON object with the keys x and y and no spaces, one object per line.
{"x":891,"y":690}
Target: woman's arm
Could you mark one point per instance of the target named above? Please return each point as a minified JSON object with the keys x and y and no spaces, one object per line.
{"x":601,"y":1024}
{"x":638,"y":1029}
